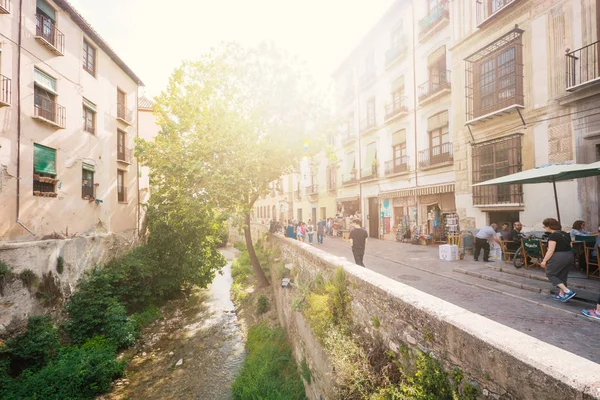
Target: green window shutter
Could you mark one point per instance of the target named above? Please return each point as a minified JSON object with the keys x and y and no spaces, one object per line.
{"x":89,"y":167}
{"x":44,"y":159}
{"x":46,"y":9}
{"x":89,"y":104}
{"x":45,"y":81}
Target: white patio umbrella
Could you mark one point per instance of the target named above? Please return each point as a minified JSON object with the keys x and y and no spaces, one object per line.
{"x":549,"y":173}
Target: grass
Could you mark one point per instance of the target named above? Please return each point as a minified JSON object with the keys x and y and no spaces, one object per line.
{"x":269,"y":372}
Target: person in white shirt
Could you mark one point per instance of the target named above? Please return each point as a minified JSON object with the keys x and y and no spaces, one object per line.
{"x":482,"y":241}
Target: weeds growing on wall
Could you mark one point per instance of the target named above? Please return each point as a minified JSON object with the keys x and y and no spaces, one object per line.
{"x":269,"y":372}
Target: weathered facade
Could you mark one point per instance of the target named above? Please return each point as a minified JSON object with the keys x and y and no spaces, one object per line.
{"x":527,"y":85}
{"x":67,"y":121}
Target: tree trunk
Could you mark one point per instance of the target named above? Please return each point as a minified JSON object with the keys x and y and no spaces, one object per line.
{"x":260,"y":275}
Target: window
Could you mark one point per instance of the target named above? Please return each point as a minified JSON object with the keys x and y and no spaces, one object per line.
{"x":44,"y":96}
{"x":350,"y":170}
{"x":495,"y":76}
{"x":331,"y":181}
{"x":350,"y":125}
{"x":439,"y":134}
{"x":45,"y":21}
{"x":87,"y":182}
{"x":370,"y":166}
{"x":436,"y":67}
{"x":89,"y":116}
{"x":89,"y":58}
{"x":121,"y":189}
{"x":44,"y":171}
{"x":121,"y":145}
{"x":121,"y":104}
{"x":371,"y":113}
{"x":400,"y":155}
{"x":494,"y":159}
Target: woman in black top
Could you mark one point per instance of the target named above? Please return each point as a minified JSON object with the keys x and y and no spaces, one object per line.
{"x":558,"y":259}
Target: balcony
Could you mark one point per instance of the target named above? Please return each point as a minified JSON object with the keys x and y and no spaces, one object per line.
{"x":350,"y":179}
{"x":48,"y":35}
{"x":437,"y":86}
{"x":5,"y":6}
{"x":125,"y":156}
{"x":49,"y":112}
{"x":488,"y":8}
{"x":396,"y":108}
{"x":312,"y":190}
{"x":400,"y":167}
{"x":436,"y":156}
{"x":367,"y":78}
{"x":436,"y":20}
{"x":369,"y":173}
{"x":122,"y":194}
{"x":498,"y":195}
{"x":583,"y":67}
{"x":368,"y":125}
{"x":394,"y":54}
{"x":5,"y":91}
{"x":124,"y":115}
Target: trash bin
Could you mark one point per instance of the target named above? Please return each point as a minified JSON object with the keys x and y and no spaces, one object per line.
{"x":467,"y":240}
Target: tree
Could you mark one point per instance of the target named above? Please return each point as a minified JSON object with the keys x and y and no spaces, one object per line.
{"x":231,"y":124}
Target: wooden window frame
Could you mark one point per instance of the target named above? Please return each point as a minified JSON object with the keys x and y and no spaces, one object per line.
{"x":90,"y":52}
{"x":371,"y":111}
{"x":121,"y":188}
{"x":121,"y":148}
{"x":399,"y":155}
{"x":88,"y":111}
{"x":121,"y":104}
{"x":87,"y":188}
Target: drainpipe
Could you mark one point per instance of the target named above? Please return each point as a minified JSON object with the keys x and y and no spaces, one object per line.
{"x":414,"y":59}
{"x":137,"y":163}
{"x":19,"y":118}
{"x":359,"y":172}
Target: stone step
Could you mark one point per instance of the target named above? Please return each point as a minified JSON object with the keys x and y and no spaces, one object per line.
{"x":525,"y":283}
{"x":537,"y":274}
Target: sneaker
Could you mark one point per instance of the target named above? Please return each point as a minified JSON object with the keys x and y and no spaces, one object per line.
{"x":567,"y":296}
{"x":556,"y":297}
{"x":593,"y":314}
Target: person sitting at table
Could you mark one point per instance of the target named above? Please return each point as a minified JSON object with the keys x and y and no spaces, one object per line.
{"x":506,"y":232}
{"x":516,"y":235}
{"x":579,"y":230}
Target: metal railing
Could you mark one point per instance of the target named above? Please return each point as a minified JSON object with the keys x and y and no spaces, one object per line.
{"x":397,"y":106}
{"x":5,"y":90}
{"x":5,"y":6}
{"x":125,"y":155}
{"x":121,"y":194}
{"x":312,"y":189}
{"x":435,"y":84}
{"x":46,"y":29}
{"x":583,"y":65}
{"x":393,"y":53}
{"x":440,"y":12}
{"x":49,"y":110}
{"x":436,"y":155}
{"x":125,"y":114}
{"x":487,"y":8}
{"x":396,"y":166}
{"x":367,"y":124}
{"x":497,"y":194}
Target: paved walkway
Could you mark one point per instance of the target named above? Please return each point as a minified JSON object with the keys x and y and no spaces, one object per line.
{"x":516,"y":298}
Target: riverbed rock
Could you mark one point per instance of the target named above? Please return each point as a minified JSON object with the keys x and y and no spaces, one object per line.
{"x":180,"y":362}
{"x":171,"y":353}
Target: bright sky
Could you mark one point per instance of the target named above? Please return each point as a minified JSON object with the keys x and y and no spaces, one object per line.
{"x":154,"y":36}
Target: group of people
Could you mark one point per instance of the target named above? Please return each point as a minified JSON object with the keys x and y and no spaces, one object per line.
{"x":558,"y":259}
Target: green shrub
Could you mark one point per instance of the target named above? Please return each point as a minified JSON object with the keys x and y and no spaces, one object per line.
{"x":146,"y":317}
{"x":238,"y":292}
{"x":262,"y":305}
{"x":305,"y":371}
{"x":239,"y":245}
{"x":34,"y":348}
{"x":269,"y":371}
{"x":241,"y":268}
{"x":29,"y":278}
{"x":5,"y":275}
{"x":60,"y":264}
{"x":75,"y":373}
{"x":48,"y":290}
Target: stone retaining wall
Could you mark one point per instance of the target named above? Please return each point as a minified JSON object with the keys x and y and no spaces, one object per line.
{"x":80,"y":254}
{"x":504,"y":363}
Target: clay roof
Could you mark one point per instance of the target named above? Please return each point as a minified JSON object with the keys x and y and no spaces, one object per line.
{"x":144,"y":103}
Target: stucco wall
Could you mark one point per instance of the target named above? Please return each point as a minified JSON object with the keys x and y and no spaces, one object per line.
{"x":81,"y":254}
{"x":505,"y":363}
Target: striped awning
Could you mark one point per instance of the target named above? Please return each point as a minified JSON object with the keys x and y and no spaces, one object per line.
{"x":435,"y":189}
{"x":397,"y":193}
{"x":345,"y":199}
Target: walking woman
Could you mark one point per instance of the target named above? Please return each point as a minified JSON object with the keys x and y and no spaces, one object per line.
{"x":558,"y":259}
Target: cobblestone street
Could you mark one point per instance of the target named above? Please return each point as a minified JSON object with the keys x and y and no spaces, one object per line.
{"x":497,"y":291}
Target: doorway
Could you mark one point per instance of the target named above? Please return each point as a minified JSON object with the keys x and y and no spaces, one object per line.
{"x":323,"y":213}
{"x":373,"y":217}
{"x":314,"y":215}
{"x":299,"y":214}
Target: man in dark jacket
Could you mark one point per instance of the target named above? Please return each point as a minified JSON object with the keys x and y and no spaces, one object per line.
{"x":358,"y":242}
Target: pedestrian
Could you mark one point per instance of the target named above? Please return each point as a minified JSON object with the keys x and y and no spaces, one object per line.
{"x":506,"y":232}
{"x":301,"y":231}
{"x":321,"y":227}
{"x":329,"y":223}
{"x":482,"y":241}
{"x":310,"y":230}
{"x":291,"y":233}
{"x":594,"y":313}
{"x":358,"y":241}
{"x":558,"y":259}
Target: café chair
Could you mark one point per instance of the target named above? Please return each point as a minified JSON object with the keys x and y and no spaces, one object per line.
{"x":591,"y":260}
{"x":508,"y":254}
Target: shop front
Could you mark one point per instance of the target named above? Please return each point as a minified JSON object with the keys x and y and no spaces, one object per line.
{"x":437,"y":213}
{"x":398,"y":214}
{"x":347,"y":208}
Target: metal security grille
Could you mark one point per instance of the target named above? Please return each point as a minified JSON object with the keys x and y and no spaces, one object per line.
{"x":493,"y":159}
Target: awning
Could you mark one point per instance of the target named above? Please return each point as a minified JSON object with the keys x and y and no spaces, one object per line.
{"x":89,"y":167}
{"x":347,"y":199}
{"x":89,"y":104}
{"x":435,"y":189}
{"x":44,"y":81}
{"x":397,"y":193}
{"x":437,"y":121}
{"x":44,"y":159}
{"x":398,"y":137}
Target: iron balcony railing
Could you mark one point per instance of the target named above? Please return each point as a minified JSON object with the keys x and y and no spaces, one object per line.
{"x":5,"y":6}
{"x":122,"y":194}
{"x":497,"y":194}
{"x":396,"y":166}
{"x":435,"y":84}
{"x":397,"y":106}
{"x":5,"y":90}
{"x":370,"y":172}
{"x":125,"y":114}
{"x":436,"y":155}
{"x":46,"y":29}
{"x":50,"y":111}
{"x":367,"y":124}
{"x":583,"y":65}
{"x":487,"y":8}
{"x":125,"y":155}
{"x":393,"y":53}
{"x":440,"y":12}
{"x":312,"y":190}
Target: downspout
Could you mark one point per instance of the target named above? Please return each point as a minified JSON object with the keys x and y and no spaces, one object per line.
{"x":414,"y":59}
{"x":19,"y":118}
{"x":359,"y":173}
{"x":137,"y":162}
